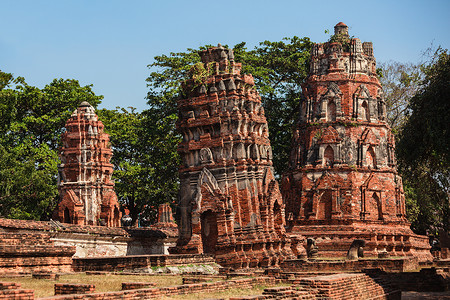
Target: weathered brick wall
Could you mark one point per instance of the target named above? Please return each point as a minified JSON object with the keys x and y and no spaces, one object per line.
{"x":149,"y":293}
{"x":230,"y":204}
{"x":33,"y":252}
{"x":12,"y":291}
{"x":134,"y":262}
{"x":86,"y":190}
{"x":90,"y":241}
{"x":426,"y":280}
{"x":388,"y":265}
{"x":72,"y":288}
{"x":137,"y":285}
{"x":342,"y":175}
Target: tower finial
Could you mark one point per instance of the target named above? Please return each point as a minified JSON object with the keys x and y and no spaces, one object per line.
{"x":341,"y":29}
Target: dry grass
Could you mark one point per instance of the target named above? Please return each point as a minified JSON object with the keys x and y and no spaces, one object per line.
{"x":232,"y":292}
{"x":103,"y":283}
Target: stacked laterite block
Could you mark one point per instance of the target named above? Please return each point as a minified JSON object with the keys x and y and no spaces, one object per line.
{"x":348,"y":286}
{"x":343,"y":183}
{"x":86,"y":190}
{"x":24,"y":253}
{"x":161,"y":292}
{"x":71,"y":288}
{"x":137,"y":285}
{"x":230,"y":204}
{"x":12,"y":290}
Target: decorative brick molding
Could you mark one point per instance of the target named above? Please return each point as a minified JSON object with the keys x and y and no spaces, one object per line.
{"x":342,"y":183}
{"x":230,"y":204}
{"x":87,"y":194}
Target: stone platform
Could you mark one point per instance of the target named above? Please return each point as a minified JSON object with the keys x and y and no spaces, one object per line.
{"x":138,"y":263}
{"x":25,"y":253}
{"x":335,"y":237}
{"x":336,"y":266}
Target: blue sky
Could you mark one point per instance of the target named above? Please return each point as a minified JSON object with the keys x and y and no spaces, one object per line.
{"x":110,"y":43}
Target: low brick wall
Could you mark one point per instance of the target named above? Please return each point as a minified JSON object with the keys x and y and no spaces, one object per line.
{"x":115,"y":264}
{"x":427,"y":280}
{"x":389,"y":265}
{"x":70,"y":288}
{"x":25,"y":253}
{"x":190,"y":280}
{"x":137,"y":285}
{"x":12,"y":290}
{"x":171,"y":290}
{"x":337,"y":286}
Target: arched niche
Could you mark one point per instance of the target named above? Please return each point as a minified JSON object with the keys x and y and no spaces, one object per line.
{"x":67,"y":218}
{"x":331,"y":111}
{"x":365,"y":113}
{"x":324,"y":206}
{"x":209,"y":231}
{"x":371,"y":159}
{"x":328,"y":156}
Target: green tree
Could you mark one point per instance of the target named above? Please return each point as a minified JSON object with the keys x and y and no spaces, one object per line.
{"x":31,"y":123}
{"x":141,"y":160}
{"x":400,"y":83}
{"x":424,"y":145}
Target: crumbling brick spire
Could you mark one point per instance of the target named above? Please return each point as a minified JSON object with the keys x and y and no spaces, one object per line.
{"x":87,"y":194}
{"x":343,"y":176}
{"x":230,"y":204}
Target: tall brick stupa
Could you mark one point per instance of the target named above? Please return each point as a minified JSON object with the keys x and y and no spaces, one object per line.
{"x":86,"y":191}
{"x":343,"y":183}
{"x":230,"y":204}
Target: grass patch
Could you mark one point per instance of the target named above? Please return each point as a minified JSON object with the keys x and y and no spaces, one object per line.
{"x":231,"y":292}
{"x":103,"y":283}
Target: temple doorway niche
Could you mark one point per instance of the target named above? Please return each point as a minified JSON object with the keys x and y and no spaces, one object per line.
{"x":377,"y":205}
{"x":209,"y":231}
{"x":67,"y":216}
{"x":328,"y":156}
{"x":324,"y":206}
{"x":371,"y":160}
{"x":277,"y":217}
{"x":365,"y":111}
{"x":116,"y":218}
{"x":308,"y":205}
{"x":331,"y":111}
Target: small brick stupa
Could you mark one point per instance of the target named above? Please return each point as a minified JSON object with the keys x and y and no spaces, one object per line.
{"x":230,"y":204}
{"x":86,"y":191}
{"x":343,"y":183}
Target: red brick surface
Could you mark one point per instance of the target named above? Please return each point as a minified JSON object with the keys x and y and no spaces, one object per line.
{"x":343,"y":184}
{"x":87,"y":194}
{"x":230,"y":204}
{"x":33,"y":252}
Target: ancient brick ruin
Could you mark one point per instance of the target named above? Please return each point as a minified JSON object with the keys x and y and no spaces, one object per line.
{"x":230,"y":204}
{"x":87,"y":194}
{"x":343,"y":183}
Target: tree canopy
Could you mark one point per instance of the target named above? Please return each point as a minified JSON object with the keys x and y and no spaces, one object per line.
{"x":423,"y":148}
{"x":32,"y":121}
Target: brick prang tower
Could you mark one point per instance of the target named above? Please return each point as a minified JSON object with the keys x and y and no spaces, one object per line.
{"x":343,"y":183}
{"x":86,"y":191}
{"x":230,"y":204}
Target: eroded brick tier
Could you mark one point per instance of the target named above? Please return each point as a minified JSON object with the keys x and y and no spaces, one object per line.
{"x":343,"y":184}
{"x":230,"y":204}
{"x":87,"y":194}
